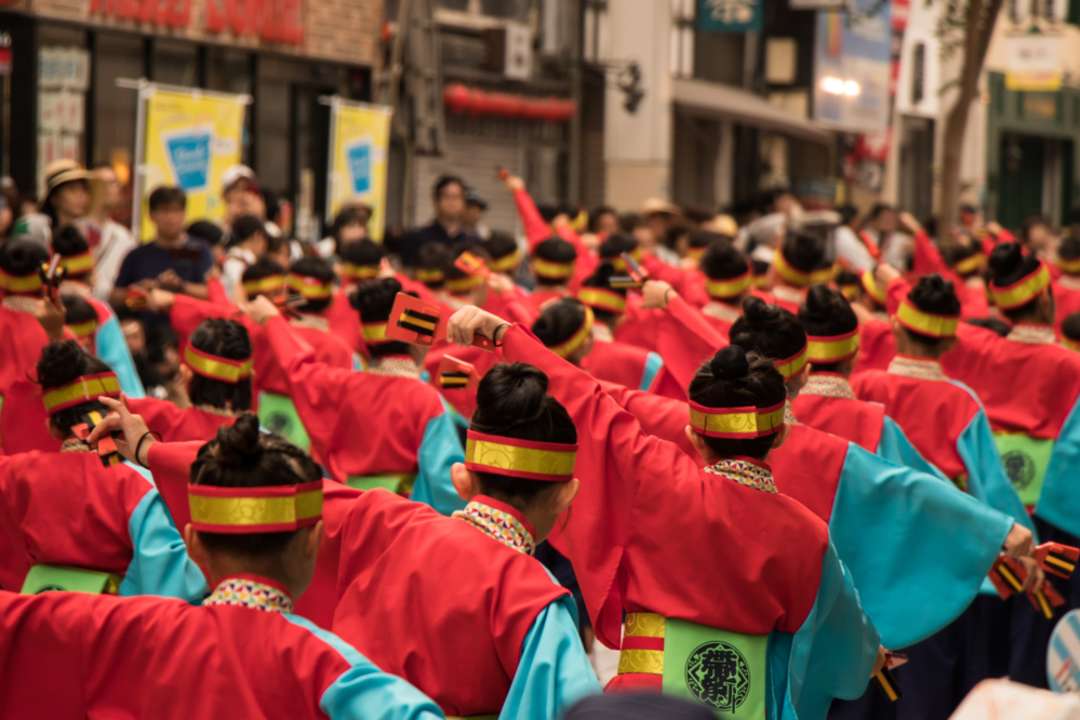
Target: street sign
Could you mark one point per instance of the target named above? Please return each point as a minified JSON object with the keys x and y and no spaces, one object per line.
{"x":729,"y":15}
{"x":1035,"y":62}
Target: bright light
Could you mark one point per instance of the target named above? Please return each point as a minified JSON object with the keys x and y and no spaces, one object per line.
{"x":839,"y":86}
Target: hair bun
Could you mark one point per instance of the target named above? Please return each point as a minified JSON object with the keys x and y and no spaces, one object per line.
{"x":1006,"y":259}
{"x":756,"y":311}
{"x":61,"y":362}
{"x":238,"y":444}
{"x":819,"y":300}
{"x":511,"y":394}
{"x":730,"y":363}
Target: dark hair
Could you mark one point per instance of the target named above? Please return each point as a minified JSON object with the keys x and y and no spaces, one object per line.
{"x":558,"y":321}
{"x":442,"y":182}
{"x":958,"y":252}
{"x":347,"y":216}
{"x":768,"y":330}
{"x":732,"y":378}
{"x":321,"y":270}
{"x":601,"y":278}
{"x":554,"y":250}
{"x":22,"y":257}
{"x":264,"y":267}
{"x":804,"y":252}
{"x":706,"y":238}
{"x":209,"y":232}
{"x":434,"y":256}
{"x":1070,"y":327}
{"x":227,"y":339}
{"x":167,"y":195}
{"x":365,"y":253}
{"x":69,"y":241}
{"x":936,"y":295}
{"x":242,"y":456}
{"x":1069,"y":249}
{"x":846,"y":277}
{"x":1009,"y":264}
{"x":723,"y":261}
{"x":512,"y":401}
{"x":77,"y":310}
{"x":616,"y":244}
{"x":847,"y":213}
{"x":246,"y":227}
{"x":272,"y":203}
{"x":374,"y":299}
{"x":597,"y":212}
{"x":826,"y":312}
{"x":878,"y":210}
{"x":500,"y":245}
{"x":993,"y":324}
{"x":61,"y":363}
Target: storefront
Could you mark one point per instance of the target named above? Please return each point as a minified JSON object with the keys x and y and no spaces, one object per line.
{"x":61,"y":97}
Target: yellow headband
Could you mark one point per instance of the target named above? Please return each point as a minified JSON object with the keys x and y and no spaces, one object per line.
{"x":1069,"y":267}
{"x":970,"y":264}
{"x":20,"y":284}
{"x":552,"y":270}
{"x":736,"y":423}
{"x":77,"y":264}
{"x":513,"y":457}
{"x":374,"y":333}
{"x":1070,"y":343}
{"x":250,"y":510}
{"x":359,"y":272}
{"x":1023,"y":290}
{"x":849,"y":291}
{"x":570,"y":346}
{"x":83,"y":329}
{"x":460,"y":286}
{"x":309,"y":287}
{"x":81,"y":390}
{"x":730,"y":288}
{"x":602,"y":299}
{"x":695,"y":253}
{"x":430,"y":277}
{"x":268,"y":285}
{"x":620,"y":264}
{"x":924,"y":323}
{"x":792,"y":366}
{"x":216,"y":367}
{"x":507,"y":263}
{"x":869,"y":283}
{"x":799,"y":278}
{"x":827,"y":349}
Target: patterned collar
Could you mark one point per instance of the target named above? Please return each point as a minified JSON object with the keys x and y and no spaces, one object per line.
{"x":880,"y":315}
{"x":74,"y":445}
{"x":395,"y":366}
{"x":602,"y":332}
{"x":828,"y":384}
{"x":721,"y":311}
{"x":309,"y":320}
{"x":788,"y":293}
{"x":918,"y":368}
{"x":745,"y":472}
{"x":500,"y":522}
{"x":1032,"y":334}
{"x":789,"y":414}
{"x":251,"y":591}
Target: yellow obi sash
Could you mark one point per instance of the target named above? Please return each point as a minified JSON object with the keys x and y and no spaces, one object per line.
{"x":400,"y":483}
{"x":723,"y":669}
{"x":46,"y":578}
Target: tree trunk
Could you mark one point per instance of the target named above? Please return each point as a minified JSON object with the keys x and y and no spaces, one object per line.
{"x":952,"y":156}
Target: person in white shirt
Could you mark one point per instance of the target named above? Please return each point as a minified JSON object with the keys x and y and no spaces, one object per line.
{"x":850,"y":250}
{"x":115,"y":241}
{"x":248,"y":242}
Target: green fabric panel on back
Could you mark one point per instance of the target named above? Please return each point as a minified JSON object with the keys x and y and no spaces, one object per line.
{"x":1026,"y":459}
{"x":45,"y":578}
{"x":278,"y":415}
{"x":722,"y":669}
{"x":400,"y":483}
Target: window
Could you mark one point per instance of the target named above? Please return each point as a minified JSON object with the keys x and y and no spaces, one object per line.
{"x":173,"y":62}
{"x":595,"y":26}
{"x":682,"y":38}
{"x":117,"y":56}
{"x":918,"y":73}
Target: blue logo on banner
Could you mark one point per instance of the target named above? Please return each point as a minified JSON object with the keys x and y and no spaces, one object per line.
{"x":190,"y":157}
{"x":359,"y":156}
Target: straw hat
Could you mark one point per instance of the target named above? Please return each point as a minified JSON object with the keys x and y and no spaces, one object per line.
{"x":62,"y":172}
{"x":657,"y":206}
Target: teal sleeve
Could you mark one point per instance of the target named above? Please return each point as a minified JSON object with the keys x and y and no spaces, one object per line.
{"x":364,"y":692}
{"x":1059,"y":503}
{"x":917,"y":548}
{"x":553,"y":671}
{"x":439,"y":450}
{"x":112,"y":349}
{"x":159,"y":563}
{"x":833,"y":652}
{"x":653,"y":364}
{"x":987,"y":480}
{"x":895,"y":447}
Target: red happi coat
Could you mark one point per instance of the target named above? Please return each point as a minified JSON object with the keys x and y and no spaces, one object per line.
{"x":877,"y":346}
{"x":616,"y":362}
{"x":22,"y":339}
{"x":175,"y":424}
{"x":1066,"y":299}
{"x":73,"y":655}
{"x":972,"y":295}
{"x":635,"y":489}
{"x":65,"y":509}
{"x":856,"y":420}
{"x":344,"y":321}
{"x":536,"y":231}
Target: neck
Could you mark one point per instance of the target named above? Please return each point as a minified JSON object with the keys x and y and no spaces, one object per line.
{"x":451,"y":226}
{"x":222,"y":567}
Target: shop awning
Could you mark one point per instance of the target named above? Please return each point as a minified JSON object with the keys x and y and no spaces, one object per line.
{"x":746,"y":108}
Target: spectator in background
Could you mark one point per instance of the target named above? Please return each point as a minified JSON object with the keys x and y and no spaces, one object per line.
{"x":660,"y":217}
{"x":212,"y":236}
{"x":247,"y":243}
{"x":67,"y":200}
{"x":1038,"y":237}
{"x":881,"y":227}
{"x":475,"y":207}
{"x":240,"y":191}
{"x":350,"y":225}
{"x":447,"y":228}
{"x":110,"y":241}
{"x":174,"y":261}
{"x":603,"y":221}
{"x":850,"y":250}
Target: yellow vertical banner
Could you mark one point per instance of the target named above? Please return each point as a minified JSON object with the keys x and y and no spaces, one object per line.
{"x":188,"y":138}
{"x":359,"y":145}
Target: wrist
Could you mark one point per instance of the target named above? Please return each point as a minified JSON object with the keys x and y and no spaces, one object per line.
{"x":142,"y":449}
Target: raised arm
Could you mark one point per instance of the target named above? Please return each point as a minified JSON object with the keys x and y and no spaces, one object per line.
{"x":687,"y":339}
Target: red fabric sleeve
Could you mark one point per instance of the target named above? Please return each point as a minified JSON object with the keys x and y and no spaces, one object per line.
{"x":895,"y":293}
{"x":536,"y":230}
{"x":187,"y":312}
{"x":171,"y":465}
{"x":928,"y":258}
{"x":687,"y":342}
{"x":660,"y":417}
{"x":215,"y":292}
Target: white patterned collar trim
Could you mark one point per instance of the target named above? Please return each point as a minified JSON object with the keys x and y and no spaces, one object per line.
{"x":828,"y":385}
{"x":250,"y":593}
{"x":499,"y":524}
{"x":721,"y":311}
{"x":395,"y":367}
{"x":1032,"y":334}
{"x":918,"y":368}
{"x":745,"y":472}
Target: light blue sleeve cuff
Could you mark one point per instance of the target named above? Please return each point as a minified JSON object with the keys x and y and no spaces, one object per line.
{"x":110,"y":346}
{"x":439,"y":450}
{"x":917,"y":548}
{"x":653,"y":364}
{"x":833,"y":652}
{"x":159,"y":563}
{"x":364,"y":692}
{"x":895,"y":447}
{"x":1059,"y":503}
{"x":553,"y":671}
